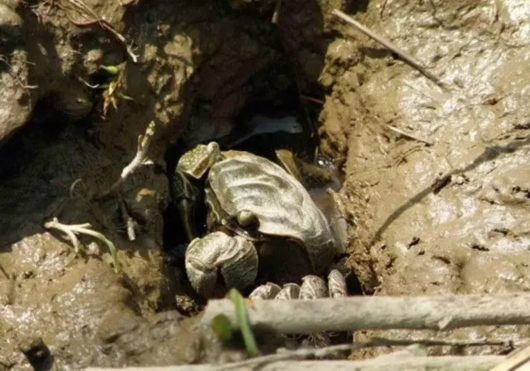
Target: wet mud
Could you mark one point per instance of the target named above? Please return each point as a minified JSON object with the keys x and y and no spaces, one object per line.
{"x":440,"y":209}
{"x":434,"y":181}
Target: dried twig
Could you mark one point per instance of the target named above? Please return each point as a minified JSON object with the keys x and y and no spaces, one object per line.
{"x":93,"y":19}
{"x":13,"y":74}
{"x":95,"y":86}
{"x":409,"y":135}
{"x":131,"y":234}
{"x":394,"y":363}
{"x":345,"y":349}
{"x":354,"y":313}
{"x":72,"y":229}
{"x":139,"y":159}
{"x":312,"y":99}
{"x":386,"y":43}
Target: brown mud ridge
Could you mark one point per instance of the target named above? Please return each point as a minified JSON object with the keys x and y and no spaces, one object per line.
{"x":440,"y":210}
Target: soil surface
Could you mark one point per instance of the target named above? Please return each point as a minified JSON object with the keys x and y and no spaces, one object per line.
{"x":442,"y":209}
{"x":434,"y":179}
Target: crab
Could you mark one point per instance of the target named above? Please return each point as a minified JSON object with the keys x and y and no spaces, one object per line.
{"x":256,"y":210}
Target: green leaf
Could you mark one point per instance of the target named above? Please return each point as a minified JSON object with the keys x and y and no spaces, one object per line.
{"x":222,"y":327}
{"x":120,"y":95}
{"x":111,"y":70}
{"x":242,"y":322}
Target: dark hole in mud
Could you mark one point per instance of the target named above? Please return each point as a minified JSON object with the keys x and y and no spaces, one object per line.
{"x":44,"y":127}
{"x":285,"y":122}
{"x":36,"y":168}
{"x":267,"y":122}
{"x":38,"y":354}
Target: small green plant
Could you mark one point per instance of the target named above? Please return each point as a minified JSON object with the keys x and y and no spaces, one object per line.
{"x":112,"y":93}
{"x":223,"y":329}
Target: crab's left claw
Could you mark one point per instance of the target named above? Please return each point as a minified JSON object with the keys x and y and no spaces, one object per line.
{"x":216,"y":256}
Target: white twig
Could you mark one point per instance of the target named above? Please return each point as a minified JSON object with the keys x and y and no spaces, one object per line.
{"x":355,"y":313}
{"x":131,"y":234}
{"x":408,"y":135}
{"x":72,"y":229}
{"x":139,"y":159}
{"x":66,"y":229}
{"x":96,"y":86}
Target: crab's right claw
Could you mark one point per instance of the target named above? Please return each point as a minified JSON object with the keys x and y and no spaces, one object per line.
{"x":196,"y":162}
{"x":235,"y":258}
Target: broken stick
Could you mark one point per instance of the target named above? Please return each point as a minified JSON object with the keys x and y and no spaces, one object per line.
{"x":355,"y":313}
{"x":140,"y":158}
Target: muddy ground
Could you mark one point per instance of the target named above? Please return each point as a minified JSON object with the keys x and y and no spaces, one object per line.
{"x":440,"y":210}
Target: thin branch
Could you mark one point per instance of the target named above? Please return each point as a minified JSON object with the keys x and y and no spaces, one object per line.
{"x":408,"y":135}
{"x":377,"y":312}
{"x":86,"y":12}
{"x":384,"y":342}
{"x":140,"y":158}
{"x":15,"y":76}
{"x":312,"y":99}
{"x":407,"y":58}
{"x":387,"y":362}
{"x":96,"y":86}
{"x":345,"y":349}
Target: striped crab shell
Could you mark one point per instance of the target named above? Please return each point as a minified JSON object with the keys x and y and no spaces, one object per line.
{"x":246,"y":184}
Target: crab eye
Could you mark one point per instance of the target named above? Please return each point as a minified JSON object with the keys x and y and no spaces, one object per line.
{"x":214,"y":152}
{"x":246,"y":218}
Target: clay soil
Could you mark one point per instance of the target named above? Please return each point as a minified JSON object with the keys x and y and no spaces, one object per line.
{"x":435,"y":180}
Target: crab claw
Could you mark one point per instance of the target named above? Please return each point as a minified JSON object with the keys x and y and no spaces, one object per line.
{"x":235,"y":258}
